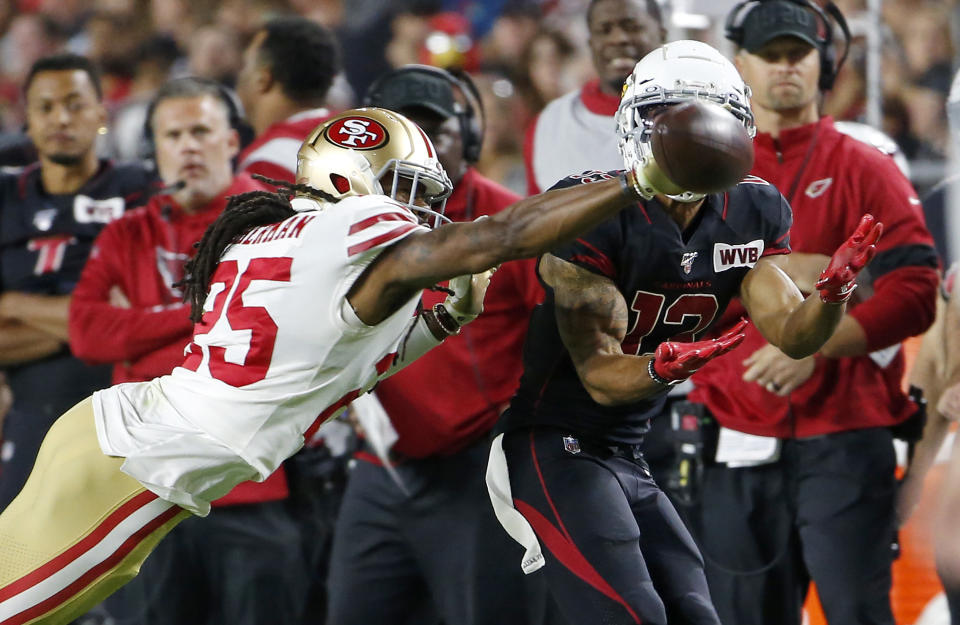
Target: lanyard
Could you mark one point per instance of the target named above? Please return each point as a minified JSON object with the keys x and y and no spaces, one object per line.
{"x":803,"y":166}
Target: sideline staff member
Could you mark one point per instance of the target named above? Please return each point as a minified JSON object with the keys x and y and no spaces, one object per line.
{"x":820,"y":505}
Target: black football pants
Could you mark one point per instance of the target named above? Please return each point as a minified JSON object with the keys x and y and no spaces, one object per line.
{"x":616,"y":551}
{"x":824,"y":511}
{"x":953,"y":602}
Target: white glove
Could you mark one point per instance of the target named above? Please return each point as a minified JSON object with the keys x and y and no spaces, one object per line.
{"x":650,"y":179}
{"x":466,"y":303}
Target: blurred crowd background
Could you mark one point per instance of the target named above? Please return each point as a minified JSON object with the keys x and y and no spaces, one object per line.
{"x":523,"y":53}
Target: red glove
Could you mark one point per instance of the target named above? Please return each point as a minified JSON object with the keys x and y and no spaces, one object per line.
{"x":675,"y":362}
{"x":837,"y":282}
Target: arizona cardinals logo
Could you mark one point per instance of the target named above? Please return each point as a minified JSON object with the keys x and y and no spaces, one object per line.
{"x":43,"y":219}
{"x":817,"y":187}
{"x":358,"y":133}
{"x":170,"y":265}
{"x":687,"y":261}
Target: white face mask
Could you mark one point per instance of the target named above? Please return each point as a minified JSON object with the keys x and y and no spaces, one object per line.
{"x":411,"y":178}
{"x":677,"y":72}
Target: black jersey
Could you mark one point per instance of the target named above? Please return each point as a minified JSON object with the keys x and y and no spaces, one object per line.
{"x":675,"y":284}
{"x":44,"y":242}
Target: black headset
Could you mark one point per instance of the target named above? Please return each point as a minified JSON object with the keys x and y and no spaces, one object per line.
{"x":235,"y":116}
{"x":471,"y":124}
{"x":829,"y":65}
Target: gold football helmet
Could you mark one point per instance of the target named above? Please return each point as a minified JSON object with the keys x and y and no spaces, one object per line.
{"x":360,"y":150}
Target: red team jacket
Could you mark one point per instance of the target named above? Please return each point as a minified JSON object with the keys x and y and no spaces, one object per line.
{"x":454,"y":394}
{"x":839,"y":181}
{"x":143,"y":254}
{"x":274,"y":152}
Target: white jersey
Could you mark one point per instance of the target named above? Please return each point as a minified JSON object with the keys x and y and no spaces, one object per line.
{"x":278,"y":352}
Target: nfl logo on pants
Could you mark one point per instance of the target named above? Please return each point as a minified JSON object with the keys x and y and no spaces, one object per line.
{"x":571,"y":444}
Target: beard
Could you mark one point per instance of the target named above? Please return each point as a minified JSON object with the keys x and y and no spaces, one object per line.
{"x":67,"y":160}
{"x":788,"y":99}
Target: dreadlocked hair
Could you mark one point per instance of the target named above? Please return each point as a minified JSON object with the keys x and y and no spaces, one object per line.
{"x":292,"y":188}
{"x":244,"y":212}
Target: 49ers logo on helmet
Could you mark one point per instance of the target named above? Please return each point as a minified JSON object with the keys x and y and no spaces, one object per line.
{"x":358,"y":133}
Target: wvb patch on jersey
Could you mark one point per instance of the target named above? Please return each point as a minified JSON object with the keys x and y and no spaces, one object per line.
{"x":732,"y":256}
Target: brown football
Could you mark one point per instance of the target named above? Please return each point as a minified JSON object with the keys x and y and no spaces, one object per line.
{"x":701,"y":146}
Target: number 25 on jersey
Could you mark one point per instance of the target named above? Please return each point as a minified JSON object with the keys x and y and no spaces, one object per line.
{"x":229,"y":317}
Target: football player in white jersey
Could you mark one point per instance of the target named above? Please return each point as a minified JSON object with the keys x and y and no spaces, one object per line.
{"x":300,"y":306}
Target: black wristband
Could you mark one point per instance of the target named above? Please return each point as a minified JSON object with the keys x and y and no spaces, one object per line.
{"x":433,"y":325}
{"x":446,"y":321}
{"x":659,"y":379}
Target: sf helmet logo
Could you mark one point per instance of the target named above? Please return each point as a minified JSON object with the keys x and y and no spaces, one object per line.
{"x":358,"y":133}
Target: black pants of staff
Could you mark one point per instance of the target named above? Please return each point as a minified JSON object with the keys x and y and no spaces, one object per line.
{"x":951,"y":589}
{"x":824,"y":511}
{"x":434,"y":552}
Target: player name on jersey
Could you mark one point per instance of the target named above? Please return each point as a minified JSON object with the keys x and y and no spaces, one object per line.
{"x":289,"y":229}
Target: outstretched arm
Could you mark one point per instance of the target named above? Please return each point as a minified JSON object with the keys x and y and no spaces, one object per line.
{"x":798,"y":326}
{"x":528,"y":228}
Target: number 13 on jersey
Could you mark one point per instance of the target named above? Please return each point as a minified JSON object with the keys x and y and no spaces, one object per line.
{"x":694,"y":311}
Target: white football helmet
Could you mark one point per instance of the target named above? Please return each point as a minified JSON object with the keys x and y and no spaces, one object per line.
{"x":677,"y":72}
{"x":355,"y":152}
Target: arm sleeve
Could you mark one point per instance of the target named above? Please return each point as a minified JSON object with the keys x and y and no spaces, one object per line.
{"x":377,"y":226}
{"x":903,"y":305}
{"x":775,"y":214}
{"x":904,"y":271}
{"x":599,"y":249}
{"x":103,"y":333}
{"x":778,"y":240}
{"x":417,"y":341}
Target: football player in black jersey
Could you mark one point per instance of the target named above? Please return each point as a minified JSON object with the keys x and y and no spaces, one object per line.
{"x":49,"y":215}
{"x":625,"y":306}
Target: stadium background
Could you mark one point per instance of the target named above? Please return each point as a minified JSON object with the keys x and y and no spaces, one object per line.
{"x":522,"y":54}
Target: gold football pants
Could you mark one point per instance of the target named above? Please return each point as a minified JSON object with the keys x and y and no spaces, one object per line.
{"x":78,"y":530}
